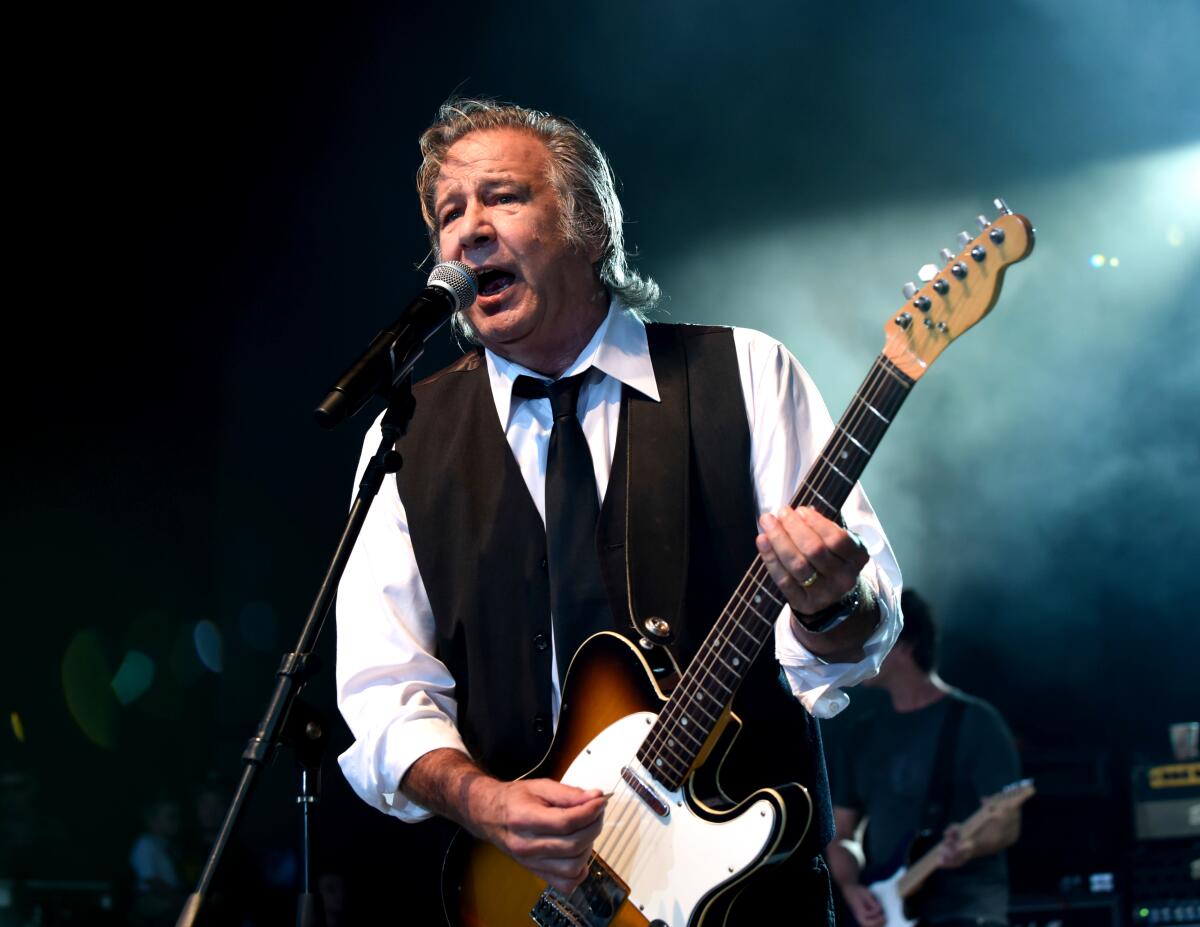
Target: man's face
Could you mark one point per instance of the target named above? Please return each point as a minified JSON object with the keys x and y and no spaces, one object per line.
{"x":498,"y":212}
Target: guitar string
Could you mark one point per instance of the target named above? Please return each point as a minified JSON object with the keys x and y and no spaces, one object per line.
{"x":728,"y":623}
{"x":819,"y":477}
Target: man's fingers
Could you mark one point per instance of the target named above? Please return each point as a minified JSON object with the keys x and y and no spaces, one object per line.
{"x":794,"y":552}
{"x":560,"y":794}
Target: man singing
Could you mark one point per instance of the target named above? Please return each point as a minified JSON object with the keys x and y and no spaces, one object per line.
{"x":500,"y":545}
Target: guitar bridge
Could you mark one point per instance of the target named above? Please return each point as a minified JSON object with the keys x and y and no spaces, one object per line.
{"x":593,"y":904}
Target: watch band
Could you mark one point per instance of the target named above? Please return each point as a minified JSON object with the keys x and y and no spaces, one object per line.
{"x":831,"y":616}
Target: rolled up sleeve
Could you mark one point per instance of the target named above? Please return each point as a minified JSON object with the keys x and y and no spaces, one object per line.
{"x":396,"y":696}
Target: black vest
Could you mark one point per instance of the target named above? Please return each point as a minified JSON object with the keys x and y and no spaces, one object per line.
{"x":681,"y":478}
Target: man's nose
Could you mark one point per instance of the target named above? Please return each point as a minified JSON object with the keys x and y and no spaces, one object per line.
{"x":476,"y":227}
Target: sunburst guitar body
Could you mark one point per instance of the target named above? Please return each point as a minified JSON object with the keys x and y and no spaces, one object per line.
{"x":663,"y":856}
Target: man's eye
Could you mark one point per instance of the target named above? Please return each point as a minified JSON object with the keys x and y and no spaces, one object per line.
{"x":505,"y":198}
{"x":450,"y":216}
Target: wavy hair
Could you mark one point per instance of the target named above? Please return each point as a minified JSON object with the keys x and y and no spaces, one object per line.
{"x":580,"y":173}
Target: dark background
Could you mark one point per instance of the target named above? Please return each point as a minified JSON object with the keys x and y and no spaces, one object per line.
{"x":214,"y":212}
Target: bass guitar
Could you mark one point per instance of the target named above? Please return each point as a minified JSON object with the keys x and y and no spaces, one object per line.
{"x":664,"y":856}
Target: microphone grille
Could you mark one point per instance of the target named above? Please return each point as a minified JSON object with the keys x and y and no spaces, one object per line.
{"x":459,"y":279}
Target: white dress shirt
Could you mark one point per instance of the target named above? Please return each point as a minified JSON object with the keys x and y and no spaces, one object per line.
{"x":398,"y":698}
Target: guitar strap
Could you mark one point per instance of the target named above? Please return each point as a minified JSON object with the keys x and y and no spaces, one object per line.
{"x":657,"y":486}
{"x":940,"y":794}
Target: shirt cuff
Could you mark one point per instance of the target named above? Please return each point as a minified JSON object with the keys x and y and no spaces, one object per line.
{"x":818,"y":684}
{"x":376,"y":775}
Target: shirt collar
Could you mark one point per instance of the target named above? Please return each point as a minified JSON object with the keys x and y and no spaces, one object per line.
{"x":618,"y":348}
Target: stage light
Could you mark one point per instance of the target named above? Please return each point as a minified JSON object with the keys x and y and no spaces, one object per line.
{"x":258,"y":625}
{"x":1096,"y":260}
{"x":18,"y":728}
{"x":207,"y":638}
{"x":87,"y":687}
{"x":133,"y":677}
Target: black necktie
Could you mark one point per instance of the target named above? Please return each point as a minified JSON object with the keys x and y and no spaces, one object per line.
{"x":578,"y":600}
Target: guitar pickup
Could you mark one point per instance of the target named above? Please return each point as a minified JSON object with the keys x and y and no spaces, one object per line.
{"x":645,"y":792}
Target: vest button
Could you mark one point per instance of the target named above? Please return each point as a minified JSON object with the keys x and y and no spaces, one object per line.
{"x":541,"y":641}
{"x":541,"y":724}
{"x":545,"y":563}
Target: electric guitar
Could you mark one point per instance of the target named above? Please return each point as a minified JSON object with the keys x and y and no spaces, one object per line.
{"x":903,"y":885}
{"x":664,"y":856}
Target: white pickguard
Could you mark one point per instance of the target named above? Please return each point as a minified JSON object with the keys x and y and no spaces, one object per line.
{"x":668,"y":863}
{"x":888,"y":893}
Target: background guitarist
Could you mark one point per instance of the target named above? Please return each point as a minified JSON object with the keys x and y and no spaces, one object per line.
{"x":478,"y":574}
{"x":888,"y":773}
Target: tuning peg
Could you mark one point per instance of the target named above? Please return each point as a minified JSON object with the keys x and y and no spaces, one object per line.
{"x":910,"y":290}
{"x":1002,"y":206}
{"x":983,"y":222}
{"x":947,"y":255}
{"x":964,"y":239}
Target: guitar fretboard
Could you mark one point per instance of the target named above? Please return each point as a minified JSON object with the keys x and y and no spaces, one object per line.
{"x":705,"y":692}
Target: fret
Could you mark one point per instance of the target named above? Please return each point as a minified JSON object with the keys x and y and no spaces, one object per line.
{"x":728,"y":691}
{"x":853,"y":440}
{"x":832,"y":466}
{"x":740,"y":628}
{"x":769,"y":594}
{"x":748,"y":609}
{"x":829,"y":505}
{"x":883,"y":418}
{"x":711,"y":716}
{"x":657,"y":764}
{"x":741,"y":653}
{"x":683,"y":728}
{"x":886,"y":366}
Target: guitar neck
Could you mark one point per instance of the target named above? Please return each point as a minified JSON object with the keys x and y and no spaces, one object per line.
{"x":910,"y":883}
{"x":705,"y":692}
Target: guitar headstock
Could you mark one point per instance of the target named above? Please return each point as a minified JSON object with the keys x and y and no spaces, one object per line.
{"x":1013,"y":795}
{"x":961,"y":293}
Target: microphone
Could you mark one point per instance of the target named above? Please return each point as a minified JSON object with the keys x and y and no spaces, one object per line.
{"x":452,"y":286}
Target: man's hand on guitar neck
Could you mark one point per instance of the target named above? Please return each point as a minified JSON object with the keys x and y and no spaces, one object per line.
{"x":956,"y":848}
{"x":816,"y":563}
{"x":998,"y":830}
{"x":546,"y":826}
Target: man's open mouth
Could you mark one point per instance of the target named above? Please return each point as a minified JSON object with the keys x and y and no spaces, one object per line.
{"x":493,"y":281}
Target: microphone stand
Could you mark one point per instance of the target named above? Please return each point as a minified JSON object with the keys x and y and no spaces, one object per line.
{"x":288,"y":719}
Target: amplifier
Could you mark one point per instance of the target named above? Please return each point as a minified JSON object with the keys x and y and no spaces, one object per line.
{"x":1180,"y":912}
{"x":1166,"y":801}
{"x":1032,"y":911}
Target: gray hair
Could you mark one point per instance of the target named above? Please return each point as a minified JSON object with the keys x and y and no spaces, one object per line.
{"x":579,"y":172}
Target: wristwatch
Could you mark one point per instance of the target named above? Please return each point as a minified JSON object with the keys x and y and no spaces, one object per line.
{"x":831,"y":616}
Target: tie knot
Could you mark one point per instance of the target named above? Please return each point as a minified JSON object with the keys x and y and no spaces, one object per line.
{"x":563,"y":394}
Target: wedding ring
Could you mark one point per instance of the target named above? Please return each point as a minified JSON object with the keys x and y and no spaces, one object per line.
{"x":812,"y":579}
